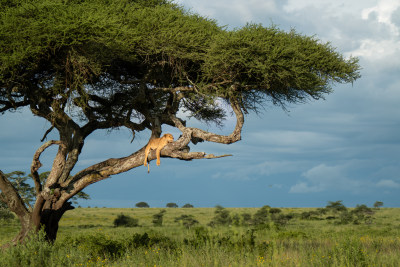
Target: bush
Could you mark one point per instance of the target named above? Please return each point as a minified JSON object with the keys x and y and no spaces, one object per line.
{"x":282,"y":219}
{"x":187,"y":220}
{"x":126,"y":221}
{"x":362,"y":214}
{"x":246,"y":219}
{"x":187,"y":206}
{"x":261,"y":216}
{"x":158,"y":218}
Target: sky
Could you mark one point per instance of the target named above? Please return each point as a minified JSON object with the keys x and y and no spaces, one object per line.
{"x":346,"y":147}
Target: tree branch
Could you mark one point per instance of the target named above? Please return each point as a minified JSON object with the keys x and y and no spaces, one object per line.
{"x":105,"y":169}
{"x":36,"y":164}
{"x":212,"y":137}
{"x":13,"y":199}
{"x":46,"y":133}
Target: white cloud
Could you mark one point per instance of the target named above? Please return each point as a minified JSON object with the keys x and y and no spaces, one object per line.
{"x":383,"y":11}
{"x":232,"y":12}
{"x":388,"y":183}
{"x":326,"y":178}
{"x":304,"y":188}
{"x":295,"y":140}
{"x":376,"y":48}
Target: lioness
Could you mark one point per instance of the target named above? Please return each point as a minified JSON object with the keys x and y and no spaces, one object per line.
{"x":158,"y":144}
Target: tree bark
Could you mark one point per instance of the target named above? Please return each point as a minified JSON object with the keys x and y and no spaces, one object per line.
{"x":50,"y":218}
{"x":16,"y":205}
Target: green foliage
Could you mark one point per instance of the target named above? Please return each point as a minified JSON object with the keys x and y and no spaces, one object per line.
{"x":64,"y":47}
{"x":187,"y":205}
{"x":35,"y":252}
{"x":126,"y":221}
{"x":269,"y":63}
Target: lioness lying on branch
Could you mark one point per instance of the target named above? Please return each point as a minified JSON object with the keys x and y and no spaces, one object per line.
{"x":157,"y":144}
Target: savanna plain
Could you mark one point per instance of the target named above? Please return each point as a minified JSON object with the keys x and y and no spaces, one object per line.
{"x":213,"y":237}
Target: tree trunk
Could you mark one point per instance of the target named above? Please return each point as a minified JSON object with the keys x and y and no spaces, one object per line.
{"x":26,"y":228}
{"x":49,"y":219}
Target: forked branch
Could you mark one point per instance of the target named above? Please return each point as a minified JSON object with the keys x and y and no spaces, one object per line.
{"x":36,"y":164}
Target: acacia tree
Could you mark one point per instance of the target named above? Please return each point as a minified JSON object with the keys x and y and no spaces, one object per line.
{"x":90,"y":65}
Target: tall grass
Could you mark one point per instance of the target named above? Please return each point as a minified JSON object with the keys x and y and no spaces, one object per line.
{"x":91,"y":240}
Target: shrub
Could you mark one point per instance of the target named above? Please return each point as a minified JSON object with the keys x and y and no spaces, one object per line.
{"x":158,"y":218}
{"x":125,"y":221}
{"x":274,"y":210}
{"x":282,"y":219}
{"x":187,"y":220}
{"x":362,"y":214}
{"x":246,"y":219}
{"x":187,"y":206}
{"x":261,"y":216}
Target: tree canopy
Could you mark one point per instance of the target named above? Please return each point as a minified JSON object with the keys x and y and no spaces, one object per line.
{"x":85,"y":65}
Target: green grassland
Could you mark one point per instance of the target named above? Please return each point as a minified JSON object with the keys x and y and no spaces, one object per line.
{"x":87,"y":237}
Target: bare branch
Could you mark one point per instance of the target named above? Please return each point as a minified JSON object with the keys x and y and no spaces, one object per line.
{"x":212,"y":137}
{"x":46,"y":133}
{"x":36,"y":164}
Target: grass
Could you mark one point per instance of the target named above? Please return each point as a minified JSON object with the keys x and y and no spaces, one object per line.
{"x":87,"y":237}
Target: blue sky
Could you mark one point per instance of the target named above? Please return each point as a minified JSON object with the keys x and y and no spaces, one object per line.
{"x":346,"y":147}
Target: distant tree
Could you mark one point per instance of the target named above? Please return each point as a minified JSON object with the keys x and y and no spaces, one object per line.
{"x":142,"y":205}
{"x":158,"y":218}
{"x":336,"y":206}
{"x":362,"y":213}
{"x":378,"y":204}
{"x":187,"y":205}
{"x":221,"y":217}
{"x":171,"y":205}
{"x":126,"y":221}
